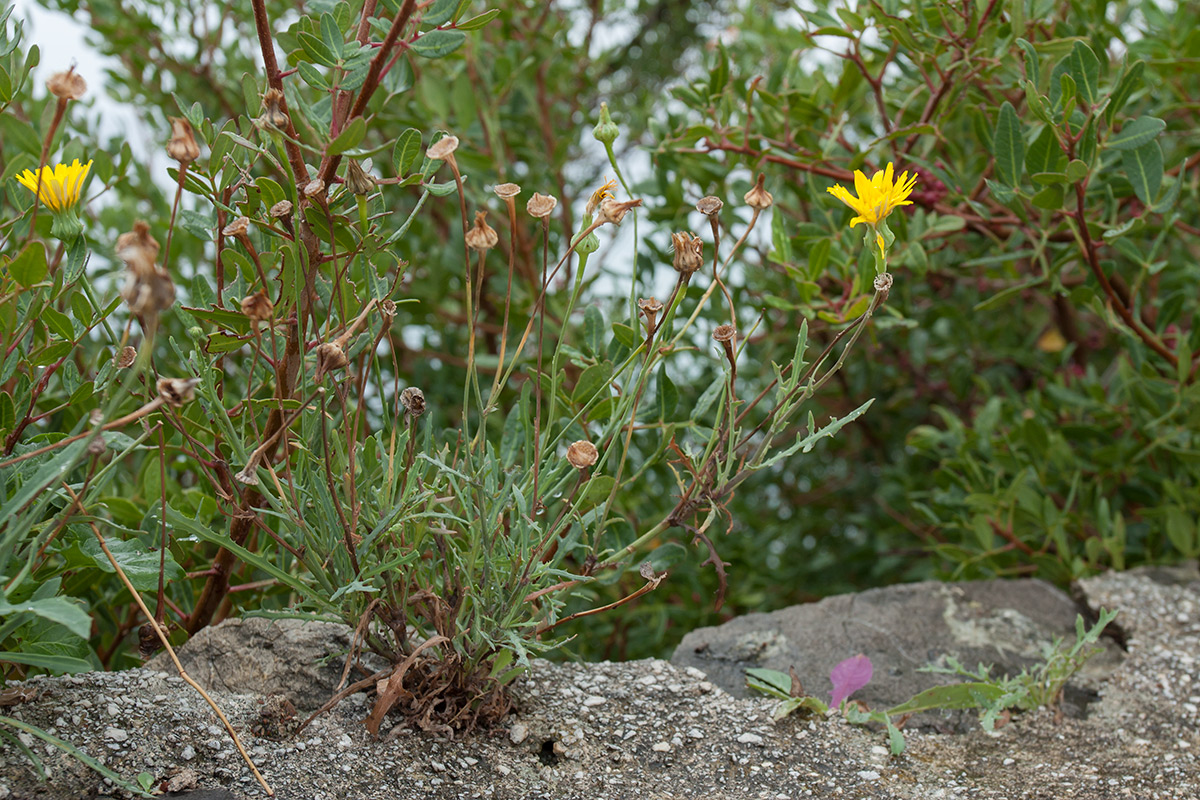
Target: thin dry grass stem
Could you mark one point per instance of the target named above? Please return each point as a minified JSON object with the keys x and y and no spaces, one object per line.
{"x":512,"y":260}
{"x":166,"y":259}
{"x":537,"y":385}
{"x":162,"y":637}
{"x":650,"y":585}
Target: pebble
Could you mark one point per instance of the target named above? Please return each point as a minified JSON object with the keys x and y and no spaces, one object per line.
{"x":750,"y":738}
{"x":518,"y":733}
{"x":1008,"y":762}
{"x":869,"y":775}
{"x":188,"y":753}
{"x":116,"y":734}
{"x":113,"y":710}
{"x":661,"y":747}
{"x":593,"y":700}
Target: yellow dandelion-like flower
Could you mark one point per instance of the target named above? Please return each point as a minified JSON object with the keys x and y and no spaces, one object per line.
{"x":877,"y":197}
{"x":60,"y":187}
{"x":599,"y":196}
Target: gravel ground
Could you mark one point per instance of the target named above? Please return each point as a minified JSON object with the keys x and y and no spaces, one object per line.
{"x":648,"y":730}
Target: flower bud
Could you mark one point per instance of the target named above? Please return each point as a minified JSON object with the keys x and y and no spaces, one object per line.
{"x":689,"y":252}
{"x":182,"y":147}
{"x":274,"y":115}
{"x":481,"y":237}
{"x":413,"y":400}
{"x":357,"y":180}
{"x":588,"y":245}
{"x":606,"y":131}
{"x":68,"y":85}
{"x":582,"y":454}
{"x":758,"y":197}
{"x":540,"y":205}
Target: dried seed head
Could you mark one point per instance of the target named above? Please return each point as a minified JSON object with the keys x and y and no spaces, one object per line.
{"x":443,"y":148}
{"x":357,"y":179}
{"x":708,"y":206}
{"x":413,"y":400}
{"x":388,"y":309}
{"x":330,"y":357}
{"x":506,"y":190}
{"x":724,"y":333}
{"x":274,"y":115}
{"x":281,"y":209}
{"x":614,"y":211}
{"x":650,"y":309}
{"x":541,"y":205}
{"x":68,"y":85}
{"x":689,"y":252}
{"x":883,"y":285}
{"x":182,"y":147}
{"x":481,"y":237}
{"x":126,"y":357}
{"x":97,"y":446}
{"x":258,"y":306}
{"x":582,"y":454}
{"x":138,"y":249}
{"x":758,"y":197}
{"x":248,"y":475}
{"x":177,"y":392}
{"x":315,"y":189}
{"x":237,"y":228}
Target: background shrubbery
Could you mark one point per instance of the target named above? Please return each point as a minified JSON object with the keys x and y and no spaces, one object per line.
{"x":1033,"y":368}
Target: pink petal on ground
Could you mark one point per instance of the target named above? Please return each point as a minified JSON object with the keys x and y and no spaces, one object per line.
{"x":850,"y":676}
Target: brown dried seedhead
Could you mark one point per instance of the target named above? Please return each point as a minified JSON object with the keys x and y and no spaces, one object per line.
{"x":357,"y":179}
{"x":758,"y":197}
{"x":68,"y":85}
{"x":650,"y":308}
{"x":582,"y":454}
{"x":126,"y":357}
{"x":541,"y":205}
{"x":182,"y":147}
{"x":443,"y":149}
{"x":330,"y":357}
{"x":274,"y":115}
{"x":506,"y":191}
{"x":148,"y":289}
{"x":413,"y":401}
{"x":177,"y":392}
{"x":258,"y":306}
{"x":689,"y":252}
{"x":709,"y":206}
{"x":481,"y":237}
{"x":615,"y":210}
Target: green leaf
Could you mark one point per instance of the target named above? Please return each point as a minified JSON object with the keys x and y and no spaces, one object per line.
{"x":479,"y":21}
{"x":53,"y":662}
{"x":1049,"y":198}
{"x":1136,"y":133}
{"x":593,"y":330}
{"x":1144,"y":168}
{"x":59,"y":323}
{"x":406,"y":152}
{"x":1084,"y":68}
{"x":30,"y":266}
{"x":439,"y":13}
{"x":1009,"y":146}
{"x":668,"y":395}
{"x":350,"y":136}
{"x":56,"y":609}
{"x":1032,"y":69}
{"x":1126,"y":86}
{"x":138,"y":563}
{"x":593,"y":380}
{"x":1045,"y":154}
{"x":1181,"y":530}
{"x":332,"y":36}
{"x":624,"y":334}
{"x":316,"y":50}
{"x":438,"y":44}
{"x":312,"y":76}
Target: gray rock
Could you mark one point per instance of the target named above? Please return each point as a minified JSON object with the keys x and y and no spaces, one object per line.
{"x":1006,"y":623}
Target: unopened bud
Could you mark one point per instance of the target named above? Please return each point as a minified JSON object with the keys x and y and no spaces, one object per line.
{"x":68,"y":85}
{"x":182,"y":147}
{"x":177,"y":392}
{"x":357,"y":180}
{"x":258,"y":306}
{"x":274,"y":115}
{"x":689,"y":252}
{"x":413,"y":400}
{"x":582,"y":454}
{"x":758,"y":197}
{"x":541,"y":205}
{"x":606,"y":131}
{"x":708,"y":206}
{"x":330,"y":357}
{"x":588,"y":245}
{"x":481,"y":237}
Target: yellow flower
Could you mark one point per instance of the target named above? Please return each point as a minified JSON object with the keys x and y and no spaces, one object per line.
{"x":60,"y":186}
{"x":599,"y":196}
{"x":877,"y":197}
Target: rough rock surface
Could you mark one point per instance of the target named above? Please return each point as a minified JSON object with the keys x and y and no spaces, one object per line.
{"x":1005,"y":623}
{"x":651,"y":730}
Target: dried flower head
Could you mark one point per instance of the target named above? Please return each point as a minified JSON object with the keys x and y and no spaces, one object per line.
{"x":330,"y":357}
{"x":443,"y":148}
{"x":724,"y":333}
{"x":650,"y":308}
{"x":689,"y":252}
{"x":614,"y":211}
{"x":182,"y":147}
{"x":138,"y":249}
{"x":758,"y":197}
{"x":258,"y":306}
{"x":315,"y":189}
{"x":599,"y":196}
{"x":68,"y":85}
{"x":357,"y":179}
{"x":883,"y":284}
{"x":541,"y":205}
{"x":126,"y":357}
{"x":177,"y":392}
{"x":388,"y":309}
{"x":481,"y":237}
{"x":274,"y":114}
{"x":237,"y":228}
{"x":281,"y":209}
{"x":506,"y":190}
{"x":248,"y":475}
{"x":413,"y":400}
{"x":148,"y":289}
{"x":708,"y":206}
{"x":582,"y":454}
